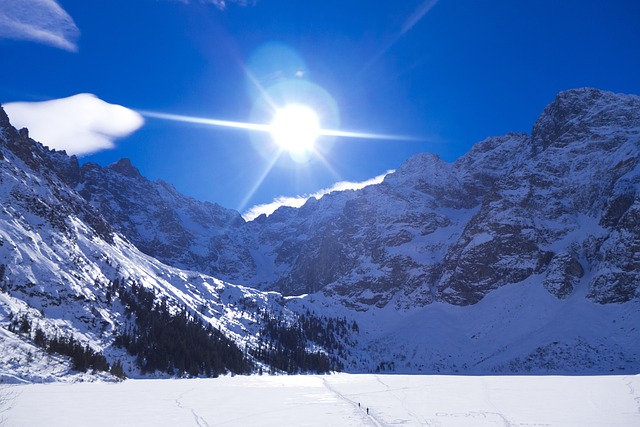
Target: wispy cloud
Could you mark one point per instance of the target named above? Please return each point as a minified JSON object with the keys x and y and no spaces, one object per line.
{"x":417,"y":15}
{"x":298,"y":201}
{"x":41,"y":21}
{"x":411,"y":21}
{"x":221,"y":4}
{"x":80,"y":124}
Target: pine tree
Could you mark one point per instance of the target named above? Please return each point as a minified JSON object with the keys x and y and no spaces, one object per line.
{"x":25,"y":325}
{"x":40,"y":338}
{"x":117,"y":370}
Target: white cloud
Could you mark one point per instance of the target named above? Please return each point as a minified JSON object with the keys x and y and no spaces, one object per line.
{"x":80,"y":124}
{"x":297,"y":201}
{"x":42,"y":21}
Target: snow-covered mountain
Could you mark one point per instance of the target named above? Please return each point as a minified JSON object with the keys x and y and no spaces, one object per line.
{"x":557,"y":203}
{"x":522,"y":256}
{"x":68,"y":278}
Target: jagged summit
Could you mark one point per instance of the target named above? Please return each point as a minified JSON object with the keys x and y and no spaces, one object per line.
{"x":574,"y":112}
{"x":4,"y":119}
{"x":124,"y":167}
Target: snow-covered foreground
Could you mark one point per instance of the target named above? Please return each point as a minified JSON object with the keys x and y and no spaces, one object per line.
{"x":339,"y":400}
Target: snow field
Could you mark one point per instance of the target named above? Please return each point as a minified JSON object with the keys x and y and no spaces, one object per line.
{"x":332,"y":400}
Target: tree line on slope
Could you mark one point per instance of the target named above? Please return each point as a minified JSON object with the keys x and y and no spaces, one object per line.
{"x":171,"y":339}
{"x":283,"y":342}
{"x":83,"y":357}
{"x":177,"y":341}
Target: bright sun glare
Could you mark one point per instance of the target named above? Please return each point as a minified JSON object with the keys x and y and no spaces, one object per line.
{"x":295,"y":128}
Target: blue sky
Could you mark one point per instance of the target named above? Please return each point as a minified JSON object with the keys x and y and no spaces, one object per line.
{"x":447,"y":73}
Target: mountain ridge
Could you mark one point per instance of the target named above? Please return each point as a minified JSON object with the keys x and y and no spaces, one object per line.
{"x":521,"y":256}
{"x":512,"y":173}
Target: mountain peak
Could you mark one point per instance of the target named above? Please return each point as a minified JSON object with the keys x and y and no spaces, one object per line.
{"x":4,"y":119}
{"x":124,"y":167}
{"x":578,"y":111}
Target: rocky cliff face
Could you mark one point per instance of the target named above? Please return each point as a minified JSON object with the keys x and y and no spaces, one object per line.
{"x":164,"y":223}
{"x":561,"y":204}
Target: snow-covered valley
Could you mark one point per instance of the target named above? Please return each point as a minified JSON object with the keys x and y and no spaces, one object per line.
{"x":497,"y":264}
{"x":332,"y":400}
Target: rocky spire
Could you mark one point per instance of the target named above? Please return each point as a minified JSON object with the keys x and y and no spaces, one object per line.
{"x":124,"y":167}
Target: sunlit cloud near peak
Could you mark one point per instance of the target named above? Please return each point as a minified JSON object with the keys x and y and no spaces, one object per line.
{"x":298,"y":201}
{"x":80,"y":124}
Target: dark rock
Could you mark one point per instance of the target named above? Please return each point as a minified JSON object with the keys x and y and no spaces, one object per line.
{"x":124,"y":167}
{"x":562,"y":275}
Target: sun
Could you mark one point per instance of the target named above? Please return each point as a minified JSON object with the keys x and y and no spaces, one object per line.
{"x":295,"y":128}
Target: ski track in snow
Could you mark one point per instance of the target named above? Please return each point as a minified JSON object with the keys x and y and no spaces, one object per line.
{"x":487,"y":395}
{"x":372,"y":418}
{"x":632,"y":391}
{"x":403,"y":401}
{"x":201,"y":422}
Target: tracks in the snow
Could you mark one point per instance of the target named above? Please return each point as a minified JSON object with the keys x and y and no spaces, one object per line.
{"x":365,"y":411}
{"x":200,"y":422}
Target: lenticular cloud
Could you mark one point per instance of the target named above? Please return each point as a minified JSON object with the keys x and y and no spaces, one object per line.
{"x":41,"y":21}
{"x":80,"y":124}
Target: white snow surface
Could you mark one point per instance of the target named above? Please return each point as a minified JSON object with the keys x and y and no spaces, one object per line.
{"x":333,"y":400}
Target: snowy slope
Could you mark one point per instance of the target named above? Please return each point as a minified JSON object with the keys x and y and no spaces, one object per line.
{"x":57,"y":266}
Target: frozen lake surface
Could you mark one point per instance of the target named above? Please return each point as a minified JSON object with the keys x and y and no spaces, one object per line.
{"x":332,"y":400}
